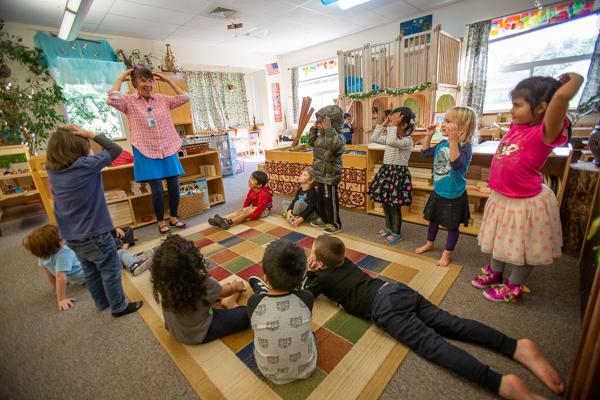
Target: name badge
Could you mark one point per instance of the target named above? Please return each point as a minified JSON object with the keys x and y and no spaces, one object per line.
{"x":151,"y":121}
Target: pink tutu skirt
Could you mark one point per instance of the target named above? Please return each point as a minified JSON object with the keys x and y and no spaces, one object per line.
{"x":522,"y":231}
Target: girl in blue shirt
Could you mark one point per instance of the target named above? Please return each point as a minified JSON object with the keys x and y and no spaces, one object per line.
{"x":448,"y":205}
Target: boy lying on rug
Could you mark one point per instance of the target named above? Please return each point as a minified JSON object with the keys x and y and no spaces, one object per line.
{"x":410,"y":318}
{"x":258,"y":203}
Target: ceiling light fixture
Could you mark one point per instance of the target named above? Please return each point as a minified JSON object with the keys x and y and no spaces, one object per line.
{"x":346,"y":4}
{"x":73,"y":18}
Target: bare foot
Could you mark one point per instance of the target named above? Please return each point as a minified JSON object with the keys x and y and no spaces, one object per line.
{"x":231,"y":301}
{"x":512,"y":387}
{"x":444,"y":261}
{"x":425,"y":248}
{"x":528,"y":354}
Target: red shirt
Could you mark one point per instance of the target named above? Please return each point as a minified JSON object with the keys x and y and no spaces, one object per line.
{"x":160,"y":141}
{"x":261,"y":199}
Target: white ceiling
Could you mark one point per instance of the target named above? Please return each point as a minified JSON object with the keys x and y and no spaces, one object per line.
{"x":291,"y":24}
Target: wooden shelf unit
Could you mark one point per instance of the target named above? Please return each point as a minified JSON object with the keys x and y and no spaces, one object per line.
{"x":22,"y":179}
{"x":556,"y":165}
{"x":135,"y":210}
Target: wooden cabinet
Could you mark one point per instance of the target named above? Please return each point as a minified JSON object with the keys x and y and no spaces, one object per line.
{"x":16,"y":182}
{"x":136,"y":209}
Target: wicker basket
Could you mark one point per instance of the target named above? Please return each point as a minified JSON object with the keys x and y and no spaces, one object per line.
{"x":194,"y":199}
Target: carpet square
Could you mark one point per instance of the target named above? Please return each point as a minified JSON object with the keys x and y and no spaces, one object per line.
{"x":307,"y":242}
{"x":219,"y":273}
{"x":331,"y":349}
{"x":201,"y":243}
{"x":231,"y":241}
{"x":347,"y":326}
{"x":254,"y":223}
{"x":253,"y":270}
{"x":372,"y":274}
{"x":224,"y":256}
{"x":195,"y":236}
{"x":400,"y":273}
{"x":238,"y":340}
{"x":294,"y":236}
{"x":246,"y":355}
{"x":218,"y":236}
{"x":255,"y":254}
{"x":300,"y":389}
{"x":354,"y":256}
{"x":264,"y":227}
{"x":279,"y":232}
{"x":211,"y":249}
{"x":211,"y":230}
{"x":249,"y":233}
{"x":373,"y":263}
{"x":238,"y":264}
{"x":263,"y":238}
{"x":244,"y":247}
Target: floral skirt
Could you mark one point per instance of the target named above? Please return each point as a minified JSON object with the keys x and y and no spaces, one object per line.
{"x":392,"y":185}
{"x":522,"y":231}
{"x":449,"y":213}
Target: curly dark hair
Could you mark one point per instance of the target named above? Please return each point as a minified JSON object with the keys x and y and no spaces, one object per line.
{"x":284,"y":264}
{"x":178,"y":275}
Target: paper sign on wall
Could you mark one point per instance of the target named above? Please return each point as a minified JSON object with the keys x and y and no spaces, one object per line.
{"x":276,"y":93}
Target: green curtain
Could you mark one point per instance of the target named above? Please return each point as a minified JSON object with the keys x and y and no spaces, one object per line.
{"x":218,"y":100}
{"x":476,"y":65}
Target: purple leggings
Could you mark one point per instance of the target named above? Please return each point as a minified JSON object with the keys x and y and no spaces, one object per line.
{"x":452,"y":239}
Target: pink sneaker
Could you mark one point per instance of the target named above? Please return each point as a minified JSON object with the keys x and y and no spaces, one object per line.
{"x":505,"y":291}
{"x":487,"y":277}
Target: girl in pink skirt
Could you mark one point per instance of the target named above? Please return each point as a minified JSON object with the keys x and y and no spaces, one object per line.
{"x":521,"y":222}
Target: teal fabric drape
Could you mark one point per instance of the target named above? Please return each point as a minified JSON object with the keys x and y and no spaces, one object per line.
{"x":85,"y":70}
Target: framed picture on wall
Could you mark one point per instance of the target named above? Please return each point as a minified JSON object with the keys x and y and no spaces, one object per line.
{"x":438,"y":118}
{"x":416,"y":25}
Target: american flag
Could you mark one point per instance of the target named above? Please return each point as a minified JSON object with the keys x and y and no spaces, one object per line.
{"x":272,"y":69}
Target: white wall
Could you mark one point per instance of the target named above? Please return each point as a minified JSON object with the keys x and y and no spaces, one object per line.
{"x":453,"y":19}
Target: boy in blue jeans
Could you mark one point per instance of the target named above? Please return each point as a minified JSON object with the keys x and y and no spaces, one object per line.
{"x":82,"y":214}
{"x":411,"y":319}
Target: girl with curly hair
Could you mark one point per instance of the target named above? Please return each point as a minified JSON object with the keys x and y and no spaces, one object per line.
{"x":186,"y":292}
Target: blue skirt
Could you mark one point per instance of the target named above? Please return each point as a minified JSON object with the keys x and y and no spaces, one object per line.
{"x":147,"y":169}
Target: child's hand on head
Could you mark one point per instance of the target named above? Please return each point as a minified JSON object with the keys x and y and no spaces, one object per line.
{"x":65,"y":304}
{"x":430,"y":130}
{"x":386,"y":121}
{"x":326,"y":123}
{"x":452,"y":132}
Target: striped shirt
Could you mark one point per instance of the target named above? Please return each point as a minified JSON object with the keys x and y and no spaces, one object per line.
{"x":159,"y":141}
{"x":397,"y":150}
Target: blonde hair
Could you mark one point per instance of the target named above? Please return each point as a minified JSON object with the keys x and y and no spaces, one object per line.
{"x":309,"y":171}
{"x":467,"y":122}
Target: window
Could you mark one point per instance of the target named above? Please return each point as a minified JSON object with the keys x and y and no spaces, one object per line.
{"x":320,"y":82}
{"x":550,"y":51}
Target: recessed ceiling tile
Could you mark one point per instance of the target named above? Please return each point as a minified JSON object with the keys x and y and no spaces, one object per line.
{"x":187,"y":6}
{"x":149,"y":13}
{"x":131,"y":24}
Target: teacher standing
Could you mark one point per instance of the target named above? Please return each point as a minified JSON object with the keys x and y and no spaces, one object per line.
{"x":154,"y":139}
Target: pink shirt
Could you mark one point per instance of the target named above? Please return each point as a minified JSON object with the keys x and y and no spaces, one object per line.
{"x":516,"y":166}
{"x":160,"y":141}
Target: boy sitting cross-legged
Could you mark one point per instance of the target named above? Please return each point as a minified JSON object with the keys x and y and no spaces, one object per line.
{"x":258,"y":203}
{"x":280,"y":315}
{"x":410,"y":318}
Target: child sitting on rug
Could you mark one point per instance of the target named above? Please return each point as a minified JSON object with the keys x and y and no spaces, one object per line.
{"x":59,"y":262}
{"x":186,"y":292}
{"x":124,"y":238}
{"x":410,"y":318}
{"x":258,"y":203}
{"x":448,"y":204}
{"x":304,"y":204}
{"x":280,"y":315}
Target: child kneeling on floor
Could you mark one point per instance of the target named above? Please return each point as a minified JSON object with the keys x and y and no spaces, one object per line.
{"x":186,"y":292}
{"x":304,"y":204}
{"x":410,"y":318}
{"x":280,"y":314}
{"x":258,"y":203}
{"x":59,"y":262}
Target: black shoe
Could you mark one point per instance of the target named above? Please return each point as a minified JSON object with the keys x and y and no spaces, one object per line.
{"x":131,"y":307}
{"x":221,"y":222}
{"x":257,"y":284}
{"x":212,"y":222}
{"x":177,"y":224}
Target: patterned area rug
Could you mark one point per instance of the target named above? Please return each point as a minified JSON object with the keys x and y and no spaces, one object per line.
{"x":355,"y":359}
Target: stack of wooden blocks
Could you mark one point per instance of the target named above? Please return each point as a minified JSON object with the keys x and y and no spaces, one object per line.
{"x":419,"y":199}
{"x":213,"y":198}
{"x":208,"y":170}
{"x":420,"y":176}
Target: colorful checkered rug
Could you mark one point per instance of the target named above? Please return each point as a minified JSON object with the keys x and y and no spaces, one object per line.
{"x":355,"y":359}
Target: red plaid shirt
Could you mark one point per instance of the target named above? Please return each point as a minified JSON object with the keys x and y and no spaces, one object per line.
{"x":160,"y":141}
